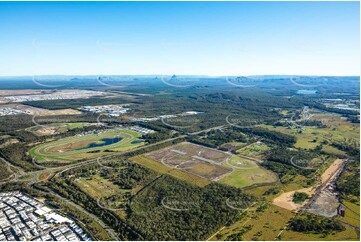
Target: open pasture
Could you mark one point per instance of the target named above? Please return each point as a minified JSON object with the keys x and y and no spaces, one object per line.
{"x":163,"y":169}
{"x":338,"y":129}
{"x":198,"y":160}
{"x":352,"y":214}
{"x":87,"y":146}
{"x":246,"y":172}
{"x":108,"y":195}
{"x":349,"y":234}
{"x":257,"y":226}
{"x":97,"y":187}
{"x":255,"y":150}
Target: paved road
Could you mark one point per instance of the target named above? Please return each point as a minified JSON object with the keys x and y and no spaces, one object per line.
{"x":64,"y":168}
{"x":82,"y":163}
{"x":59,"y":170}
{"x":96,"y":219}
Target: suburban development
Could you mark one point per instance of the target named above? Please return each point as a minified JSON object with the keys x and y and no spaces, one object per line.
{"x":180,"y":121}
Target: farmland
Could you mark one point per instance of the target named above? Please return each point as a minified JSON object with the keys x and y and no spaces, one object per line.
{"x":337,"y":129}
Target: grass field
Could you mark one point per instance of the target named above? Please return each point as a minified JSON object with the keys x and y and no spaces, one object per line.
{"x":246,"y":172}
{"x":352,"y":214}
{"x":337,"y":130}
{"x":44,"y":177}
{"x":97,"y":187}
{"x":197,"y":164}
{"x":255,"y":150}
{"x":268,"y":225}
{"x":260,"y":191}
{"x":264,"y":225}
{"x":332,"y":150}
{"x":346,"y":235}
{"x":163,"y":169}
{"x":88,"y":146}
{"x":105,"y":192}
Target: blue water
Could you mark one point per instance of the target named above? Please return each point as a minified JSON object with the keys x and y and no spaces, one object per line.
{"x":104,"y":142}
{"x":137,"y":141}
{"x":306,"y":92}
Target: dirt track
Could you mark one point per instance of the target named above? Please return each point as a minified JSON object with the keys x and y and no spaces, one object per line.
{"x":327,"y":175}
{"x":285,"y":199}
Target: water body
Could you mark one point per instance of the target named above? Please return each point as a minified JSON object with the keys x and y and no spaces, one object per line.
{"x":104,"y":142}
{"x":137,"y":141}
{"x":306,"y":92}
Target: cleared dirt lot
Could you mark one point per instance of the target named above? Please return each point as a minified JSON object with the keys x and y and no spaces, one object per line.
{"x":40,"y":111}
{"x":285,"y":199}
{"x":325,"y":199}
{"x":331,"y":170}
{"x":195,"y":159}
{"x":20,"y":92}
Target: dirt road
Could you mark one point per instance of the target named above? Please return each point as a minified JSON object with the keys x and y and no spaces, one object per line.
{"x":285,"y":199}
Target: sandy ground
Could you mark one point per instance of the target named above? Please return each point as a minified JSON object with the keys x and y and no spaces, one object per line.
{"x":40,"y":111}
{"x":11,"y":141}
{"x":20,"y":92}
{"x":285,"y":199}
{"x":4,"y":93}
{"x":46,"y":131}
{"x":331,"y":170}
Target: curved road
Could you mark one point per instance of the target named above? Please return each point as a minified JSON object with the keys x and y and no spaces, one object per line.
{"x":59,"y":170}
{"x":96,"y":219}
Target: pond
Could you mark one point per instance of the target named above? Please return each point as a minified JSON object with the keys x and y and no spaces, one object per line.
{"x":104,"y":142}
{"x":137,"y":141}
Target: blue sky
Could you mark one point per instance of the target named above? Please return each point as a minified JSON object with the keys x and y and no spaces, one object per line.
{"x":208,"y":38}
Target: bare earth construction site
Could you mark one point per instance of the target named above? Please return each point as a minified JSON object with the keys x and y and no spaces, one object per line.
{"x":180,"y":121}
{"x":212,"y":164}
{"x":195,"y":159}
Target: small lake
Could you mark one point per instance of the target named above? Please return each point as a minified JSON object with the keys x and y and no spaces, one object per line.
{"x":104,"y":142}
{"x":306,"y":92}
{"x":137,"y":141}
